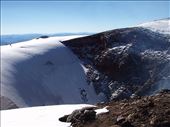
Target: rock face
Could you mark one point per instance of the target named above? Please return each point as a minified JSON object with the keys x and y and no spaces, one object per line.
{"x":123,"y":63}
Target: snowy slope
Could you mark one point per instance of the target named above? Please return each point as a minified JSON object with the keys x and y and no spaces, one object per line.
{"x":43,"y":72}
{"x":45,"y":116}
{"x":161,"y":26}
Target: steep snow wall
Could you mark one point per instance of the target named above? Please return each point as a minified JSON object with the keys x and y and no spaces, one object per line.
{"x":43,"y":72}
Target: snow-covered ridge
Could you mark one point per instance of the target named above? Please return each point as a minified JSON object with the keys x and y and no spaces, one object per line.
{"x":161,"y":26}
{"x":43,"y":72}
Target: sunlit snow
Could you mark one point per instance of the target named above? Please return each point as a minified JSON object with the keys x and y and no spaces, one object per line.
{"x":45,"y":116}
{"x":43,"y":72}
{"x":161,"y":26}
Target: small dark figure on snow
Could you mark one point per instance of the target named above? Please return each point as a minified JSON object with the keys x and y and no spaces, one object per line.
{"x":83,"y":95}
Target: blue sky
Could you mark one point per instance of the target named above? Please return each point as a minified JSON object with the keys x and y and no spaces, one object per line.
{"x":57,"y":17}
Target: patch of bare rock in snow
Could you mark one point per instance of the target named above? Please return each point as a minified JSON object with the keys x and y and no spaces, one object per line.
{"x":84,"y":115}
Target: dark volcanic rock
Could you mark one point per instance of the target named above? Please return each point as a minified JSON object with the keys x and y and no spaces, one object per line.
{"x":149,"y":111}
{"x":43,"y":37}
{"x":80,"y":116}
{"x":126,"y":62}
{"x":63,"y":118}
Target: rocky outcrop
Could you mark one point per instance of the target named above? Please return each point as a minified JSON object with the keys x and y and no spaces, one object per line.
{"x":80,"y":116}
{"x":150,"y":111}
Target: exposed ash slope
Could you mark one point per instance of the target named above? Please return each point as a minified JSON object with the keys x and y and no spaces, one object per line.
{"x":125,"y":62}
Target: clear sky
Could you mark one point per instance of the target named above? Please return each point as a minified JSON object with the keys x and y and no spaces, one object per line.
{"x":57,"y":17}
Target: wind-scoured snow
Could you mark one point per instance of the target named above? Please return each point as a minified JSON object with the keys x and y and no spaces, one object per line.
{"x":161,"y":26}
{"x":43,"y":72}
{"x":101,"y":111}
{"x":45,"y":116}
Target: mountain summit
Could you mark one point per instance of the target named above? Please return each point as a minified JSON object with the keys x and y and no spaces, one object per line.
{"x":112,"y":65}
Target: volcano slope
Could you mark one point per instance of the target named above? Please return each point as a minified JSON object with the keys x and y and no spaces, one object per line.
{"x":124,"y":63}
